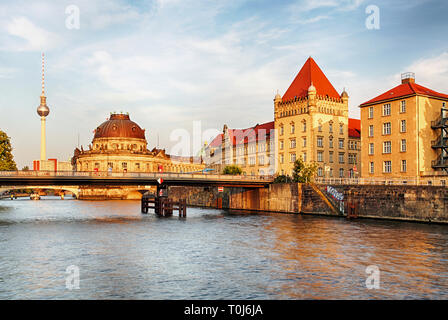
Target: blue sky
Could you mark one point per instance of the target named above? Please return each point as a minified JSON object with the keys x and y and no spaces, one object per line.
{"x":171,"y":62}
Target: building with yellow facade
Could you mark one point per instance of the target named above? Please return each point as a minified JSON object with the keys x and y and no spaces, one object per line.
{"x":251,"y":149}
{"x":404,"y":133}
{"x":120,"y":145}
{"x":311,"y":121}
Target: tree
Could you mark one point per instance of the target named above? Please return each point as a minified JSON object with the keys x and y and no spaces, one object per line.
{"x":7,"y":162}
{"x":282,"y":179}
{"x":232,"y":169}
{"x":303,"y":172}
{"x":26,"y":168}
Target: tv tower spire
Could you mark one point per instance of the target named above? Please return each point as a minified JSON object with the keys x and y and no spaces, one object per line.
{"x":43,"y":111}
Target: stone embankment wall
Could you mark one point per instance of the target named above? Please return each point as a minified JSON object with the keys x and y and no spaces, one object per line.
{"x":410,"y":203}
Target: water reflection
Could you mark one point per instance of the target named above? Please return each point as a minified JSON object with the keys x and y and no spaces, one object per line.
{"x":211,"y":254}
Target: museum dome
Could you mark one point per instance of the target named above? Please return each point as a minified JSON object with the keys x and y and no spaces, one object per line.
{"x":119,"y":126}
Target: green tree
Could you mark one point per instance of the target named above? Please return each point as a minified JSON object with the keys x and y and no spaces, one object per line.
{"x":26,"y":168}
{"x":232,"y":169}
{"x":282,"y":179}
{"x":7,"y":162}
{"x":303,"y":172}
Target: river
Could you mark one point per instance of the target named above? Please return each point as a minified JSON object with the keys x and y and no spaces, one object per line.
{"x":211,"y":254}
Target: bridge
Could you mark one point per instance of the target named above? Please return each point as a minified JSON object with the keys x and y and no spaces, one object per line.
{"x":72,"y":181}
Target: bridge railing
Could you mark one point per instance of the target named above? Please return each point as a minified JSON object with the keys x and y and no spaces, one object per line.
{"x":428,"y":181}
{"x":152,"y":175}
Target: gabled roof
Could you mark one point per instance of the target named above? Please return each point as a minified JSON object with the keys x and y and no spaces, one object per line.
{"x":402,"y":90}
{"x":240,"y":136}
{"x":354,"y":128}
{"x":310,"y":74}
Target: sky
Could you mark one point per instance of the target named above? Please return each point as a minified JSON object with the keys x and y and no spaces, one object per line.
{"x":190,"y":66}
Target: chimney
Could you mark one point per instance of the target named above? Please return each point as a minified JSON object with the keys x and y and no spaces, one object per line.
{"x":408,"y":77}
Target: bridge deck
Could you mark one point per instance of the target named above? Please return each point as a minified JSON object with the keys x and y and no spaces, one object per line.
{"x":42,"y":178}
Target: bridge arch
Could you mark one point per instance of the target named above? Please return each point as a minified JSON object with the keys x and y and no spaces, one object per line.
{"x":73,"y":189}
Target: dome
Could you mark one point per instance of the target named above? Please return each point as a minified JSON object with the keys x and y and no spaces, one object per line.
{"x":43,"y":111}
{"x":312,"y":88}
{"x":119,"y":126}
{"x":344,"y":94}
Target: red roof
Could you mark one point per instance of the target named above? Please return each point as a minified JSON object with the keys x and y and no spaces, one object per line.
{"x":239,"y":136}
{"x":310,"y":74}
{"x":354,"y":128}
{"x":405,"y":89}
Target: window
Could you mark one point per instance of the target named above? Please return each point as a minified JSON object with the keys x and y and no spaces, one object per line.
{"x":331,"y":172}
{"x":403,"y":126}
{"x":371,"y":131}
{"x":110,"y":165}
{"x":403,"y":145}
{"x":341,"y":128}
{"x":319,"y":127}
{"x":320,"y":172}
{"x":371,"y":148}
{"x":261,"y":160}
{"x":372,"y":167}
{"x":403,"y":106}
{"x":403,"y":165}
{"x":341,"y":157}
{"x":320,"y":142}
{"x":330,"y":142}
{"x":124,"y":165}
{"x":281,"y":144}
{"x":304,"y":142}
{"x":370,"y":112}
{"x":331,"y":157}
{"x":320,"y":157}
{"x":386,"y":128}
{"x":386,"y":109}
{"x":387,"y":147}
{"x":352,"y":158}
{"x":387,"y":166}
{"x":304,"y":156}
{"x":282,"y":158}
{"x":341,"y":173}
{"x":252,"y":161}
{"x":137,"y":166}
{"x":281,"y":130}
{"x":341,"y":143}
{"x":293,"y":128}
{"x":304,"y":126}
{"x":293,"y":157}
{"x":330,"y":127}
{"x":293,"y":143}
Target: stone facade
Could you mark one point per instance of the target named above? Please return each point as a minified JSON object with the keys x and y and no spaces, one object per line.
{"x":404,"y":203}
{"x":311,"y":121}
{"x":119,"y":145}
{"x":397,"y":136}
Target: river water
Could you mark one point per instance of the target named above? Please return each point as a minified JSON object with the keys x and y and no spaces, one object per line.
{"x":211,"y":254}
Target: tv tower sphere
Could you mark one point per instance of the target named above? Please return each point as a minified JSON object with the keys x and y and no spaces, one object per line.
{"x":43,"y":109}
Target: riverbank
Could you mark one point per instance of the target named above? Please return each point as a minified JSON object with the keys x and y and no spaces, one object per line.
{"x":428,"y":204}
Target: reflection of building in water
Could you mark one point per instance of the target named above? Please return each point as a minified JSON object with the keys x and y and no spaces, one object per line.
{"x":311,"y":120}
{"x":251,"y":149}
{"x":119,"y":145}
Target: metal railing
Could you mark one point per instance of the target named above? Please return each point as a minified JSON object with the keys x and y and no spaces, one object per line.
{"x":431,"y":181}
{"x":142,"y":175}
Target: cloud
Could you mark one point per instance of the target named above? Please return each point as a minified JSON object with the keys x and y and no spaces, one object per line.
{"x":34,"y":38}
{"x":430,"y":72}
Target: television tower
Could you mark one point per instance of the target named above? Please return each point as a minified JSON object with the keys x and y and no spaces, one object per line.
{"x":43,"y":112}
